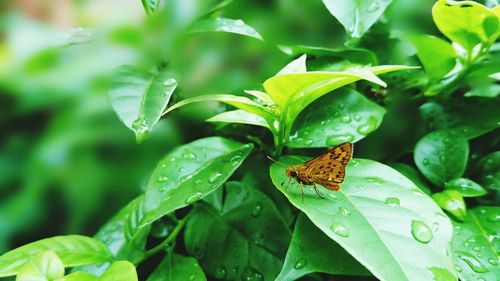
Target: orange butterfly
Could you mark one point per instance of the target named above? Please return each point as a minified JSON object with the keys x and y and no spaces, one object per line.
{"x":327,"y":170}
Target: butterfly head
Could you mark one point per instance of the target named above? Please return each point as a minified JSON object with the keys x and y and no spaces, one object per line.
{"x":292,"y":171}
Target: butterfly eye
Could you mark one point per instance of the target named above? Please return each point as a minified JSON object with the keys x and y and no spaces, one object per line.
{"x":293,"y":173}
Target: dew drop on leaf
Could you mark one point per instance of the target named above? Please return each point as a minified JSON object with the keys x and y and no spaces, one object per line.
{"x":425,"y":161}
{"x":189,"y":155}
{"x":193,"y":198}
{"x":392,"y":201}
{"x":339,"y":229}
{"x":421,"y":231}
{"x":239,"y":23}
{"x":373,"y":7}
{"x":333,"y":140}
{"x":368,"y":127}
{"x":250,"y":274}
{"x":472,"y":262}
{"x":492,"y":261}
{"x":162,"y":179}
{"x":300,"y":263}
{"x":257,"y":210}
{"x":375,"y":180}
{"x":494,"y":217}
{"x":344,"y":211}
{"x":357,"y":117}
{"x":220,"y":272}
{"x":345,"y":119}
{"x":458,"y":269}
{"x":214,"y":177}
{"x":169,"y":82}
{"x":308,"y":142}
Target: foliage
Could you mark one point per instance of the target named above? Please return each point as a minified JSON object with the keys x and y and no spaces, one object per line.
{"x":105,"y":135}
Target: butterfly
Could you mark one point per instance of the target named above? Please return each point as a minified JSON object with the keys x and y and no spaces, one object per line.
{"x":327,"y":170}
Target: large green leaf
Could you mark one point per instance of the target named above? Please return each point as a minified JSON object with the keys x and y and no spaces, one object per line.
{"x":488,"y":171}
{"x":412,"y":174}
{"x":442,"y":156}
{"x":120,"y":270}
{"x":73,"y":250}
{"x":436,"y":64}
{"x":466,"y":22}
{"x":43,"y":266}
{"x":246,"y":239}
{"x":241,"y":117}
{"x":474,"y":252}
{"x":312,"y":251}
{"x":139,"y":97}
{"x":357,"y":16}
{"x":237,"y":26}
{"x":176,"y":267}
{"x":466,"y":187}
{"x":346,"y":116}
{"x":78,"y":276}
{"x":375,"y":215}
{"x":189,"y":173}
{"x":471,"y":116}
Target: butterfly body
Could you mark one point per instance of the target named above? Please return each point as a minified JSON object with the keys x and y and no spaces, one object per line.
{"x":327,"y":170}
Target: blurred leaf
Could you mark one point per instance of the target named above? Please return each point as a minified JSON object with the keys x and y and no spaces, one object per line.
{"x":246,"y":239}
{"x":120,"y":270}
{"x":241,"y":117}
{"x":466,"y":22}
{"x":473,"y":245}
{"x":357,"y":16}
{"x":73,"y":250}
{"x":472,"y":116}
{"x":43,"y":266}
{"x":412,"y":174}
{"x":442,"y":156}
{"x":466,"y":187}
{"x":436,"y":64}
{"x":451,"y":201}
{"x":488,"y":171}
{"x":175,"y":267}
{"x":224,"y":25}
{"x":377,"y":213}
{"x":139,"y":97}
{"x":346,"y":116}
{"x":78,"y":276}
{"x":312,"y":251}
{"x":189,"y":173}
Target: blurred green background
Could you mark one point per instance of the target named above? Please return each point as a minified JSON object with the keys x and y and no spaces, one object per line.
{"x":67,"y":163}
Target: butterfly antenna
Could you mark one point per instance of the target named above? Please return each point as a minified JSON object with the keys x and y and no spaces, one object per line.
{"x":275,"y":161}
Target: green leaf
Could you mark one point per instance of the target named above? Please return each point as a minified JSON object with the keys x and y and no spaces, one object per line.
{"x":436,"y":64}
{"x":312,"y":251}
{"x":377,"y":213}
{"x":466,"y":187}
{"x":451,"y":201}
{"x":246,"y":239}
{"x":176,"y":267}
{"x":120,"y":270}
{"x":139,"y":97}
{"x":331,"y":120}
{"x":473,"y":246}
{"x":298,"y":65}
{"x":241,"y":117}
{"x":471,"y":116}
{"x":357,"y":16}
{"x":488,"y":171}
{"x":412,"y":174}
{"x":79,"y":276}
{"x":73,"y":250}
{"x":43,"y":266}
{"x":189,"y":173}
{"x":237,"y":26}
{"x":466,"y":22}
{"x":442,"y":156}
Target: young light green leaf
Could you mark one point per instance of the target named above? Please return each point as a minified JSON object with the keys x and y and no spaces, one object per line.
{"x":241,"y":117}
{"x":466,"y":187}
{"x":139,"y":97}
{"x":43,"y":266}
{"x":471,"y":117}
{"x":451,"y":201}
{"x":189,"y":173}
{"x":436,"y":64}
{"x":73,"y":250}
{"x":246,"y":239}
{"x":473,"y":246}
{"x":176,"y":267}
{"x":312,"y":251}
{"x":237,"y":26}
{"x":488,"y":171}
{"x":78,"y":276}
{"x":442,"y":156}
{"x":331,"y":120}
{"x":357,"y":16}
{"x":466,"y":22}
{"x":120,"y":270}
{"x":376,"y":213}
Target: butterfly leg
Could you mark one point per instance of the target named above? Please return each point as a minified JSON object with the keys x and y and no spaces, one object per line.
{"x":287,"y":184}
{"x":302,"y":190}
{"x":317,"y":191}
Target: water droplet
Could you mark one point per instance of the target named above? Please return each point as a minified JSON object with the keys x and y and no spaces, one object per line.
{"x":442,"y":158}
{"x":421,"y":231}
{"x":173,"y":159}
{"x":345,"y":119}
{"x":375,"y":180}
{"x":494,"y":217}
{"x":187,"y":177}
{"x":189,"y":155}
{"x":374,"y":6}
{"x":198,"y":181}
{"x":182,"y":170}
{"x":162,"y":179}
{"x":492,"y":261}
{"x":250,"y":274}
{"x":425,"y":161}
{"x":333,"y":196}
{"x":81,"y":36}
{"x":392,"y":201}
{"x":339,"y":229}
{"x":214,"y":177}
{"x":368,"y":127}
{"x":239,"y":23}
{"x":344,"y":211}
{"x":435,"y":226}
{"x":354,"y":163}
{"x":472,"y":262}
{"x":257,"y":210}
{"x":141,"y":128}
{"x":300,"y":263}
{"x":308,"y":142}
{"x":333,"y":140}
{"x":169,"y":82}
{"x":220,"y":272}
{"x":193,"y":198}
{"x":476,"y":249}
{"x":458,"y":269}
{"x":357,"y":117}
